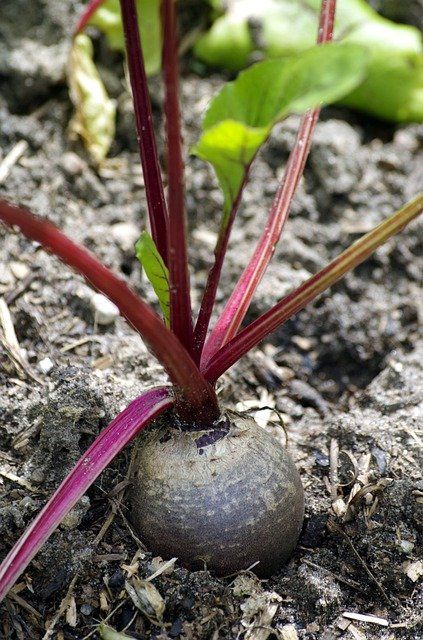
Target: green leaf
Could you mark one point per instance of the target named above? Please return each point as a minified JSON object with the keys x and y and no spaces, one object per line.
{"x":230,"y":146}
{"x":155,"y":270}
{"x":107,"y":19}
{"x":240,"y":117}
{"x":94,"y":118}
{"x":393,"y":88}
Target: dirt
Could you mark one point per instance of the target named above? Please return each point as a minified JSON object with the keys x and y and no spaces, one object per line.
{"x":344,"y":375}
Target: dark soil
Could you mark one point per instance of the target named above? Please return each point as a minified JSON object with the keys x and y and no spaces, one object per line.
{"x":345,"y":374}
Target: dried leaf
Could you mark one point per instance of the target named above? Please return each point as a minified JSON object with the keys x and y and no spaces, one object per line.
{"x":71,"y":615}
{"x":259,"y":611}
{"x":414,"y":570}
{"x":147,"y":599}
{"x":107,"y":633}
{"x":246,"y":585}
{"x":358,"y":495}
{"x":94,"y":118}
{"x":288,"y":632}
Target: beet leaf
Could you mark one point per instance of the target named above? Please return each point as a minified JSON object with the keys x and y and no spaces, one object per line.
{"x":240,"y":117}
{"x":105,"y":16}
{"x":236,"y":307}
{"x":156,"y":272}
{"x":393,"y":86}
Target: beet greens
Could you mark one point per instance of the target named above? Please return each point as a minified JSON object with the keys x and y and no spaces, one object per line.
{"x":237,"y":123}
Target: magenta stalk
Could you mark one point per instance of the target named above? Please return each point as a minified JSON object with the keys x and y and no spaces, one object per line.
{"x":108,"y":444}
{"x":190,"y":387}
{"x":254,"y":333}
{"x":180,"y":298}
{"x":145,"y":130}
{"x":237,"y":306}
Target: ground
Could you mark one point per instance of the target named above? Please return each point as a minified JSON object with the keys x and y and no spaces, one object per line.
{"x":345,"y":375}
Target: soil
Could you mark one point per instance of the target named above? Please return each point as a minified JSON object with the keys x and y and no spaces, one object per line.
{"x":344,"y":376}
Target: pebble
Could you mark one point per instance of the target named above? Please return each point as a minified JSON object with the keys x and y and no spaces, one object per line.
{"x":37,"y":476}
{"x":407,"y":546}
{"x":74,"y":518}
{"x":125,"y":234}
{"x":19,"y":269}
{"x":72,"y":164}
{"x":105,"y":311}
{"x":45,"y":365}
{"x":86,"y":609}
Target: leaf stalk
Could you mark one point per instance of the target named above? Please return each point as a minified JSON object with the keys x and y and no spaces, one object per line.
{"x":192,"y":391}
{"x":180,"y":298}
{"x":254,"y":333}
{"x":145,"y":130}
{"x":237,"y":306}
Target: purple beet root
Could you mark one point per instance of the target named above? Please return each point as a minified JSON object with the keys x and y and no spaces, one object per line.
{"x":224,"y":499}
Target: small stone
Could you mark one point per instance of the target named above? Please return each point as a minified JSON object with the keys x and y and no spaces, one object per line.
{"x":86,"y":609}
{"x":125,"y":234}
{"x":74,"y":517}
{"x":414,"y":570}
{"x":19,"y":270}
{"x":72,"y":164}
{"x":45,"y":365}
{"x":406,"y":140}
{"x":407,"y":546}
{"x":37,"y":476}
{"x":105,"y":311}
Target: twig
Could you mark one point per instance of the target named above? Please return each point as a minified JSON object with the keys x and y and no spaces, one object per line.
{"x":361,"y":617}
{"x":333,"y":468}
{"x":24,"y":604}
{"x":9,"y":475}
{"x":11,"y":344}
{"x":349,"y":583}
{"x":332,"y":526}
{"x":11,"y":159}
{"x":162,"y":569}
{"x":79,"y":343}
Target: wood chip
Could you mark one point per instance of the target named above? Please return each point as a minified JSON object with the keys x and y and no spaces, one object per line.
{"x":364,"y":617}
{"x":71,"y":615}
{"x":103,"y":362}
{"x":413,"y":570}
{"x":166,"y":568}
{"x":288,"y":632}
{"x":356,"y":633}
